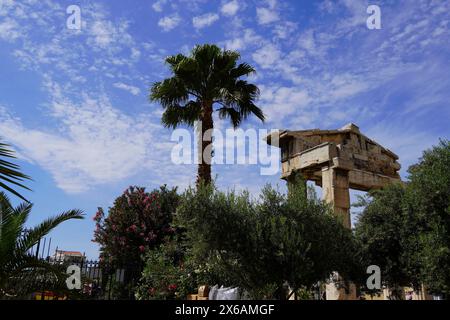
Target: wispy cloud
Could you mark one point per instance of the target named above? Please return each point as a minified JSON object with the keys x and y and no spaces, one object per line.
{"x":205,"y":20}
{"x":9,"y":29}
{"x":269,"y":13}
{"x":131,"y":89}
{"x":230,"y":8}
{"x":93,"y":142}
{"x":266,"y":16}
{"x":158,"y":5}
{"x":96,"y":143}
{"x":169,"y":22}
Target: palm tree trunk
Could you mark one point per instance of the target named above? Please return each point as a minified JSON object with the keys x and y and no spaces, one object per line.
{"x":204,"y":166}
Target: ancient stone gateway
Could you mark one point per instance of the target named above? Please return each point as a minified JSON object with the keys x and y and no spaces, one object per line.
{"x":336,"y":160}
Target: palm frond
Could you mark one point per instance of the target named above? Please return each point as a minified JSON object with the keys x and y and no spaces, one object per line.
{"x":169,"y":92}
{"x":41,"y":230}
{"x":27,"y":273}
{"x":240,"y":97}
{"x":233,"y":115}
{"x":174,"y":61}
{"x":12,"y":225}
{"x":243,"y":69}
{"x":9,"y":172}
{"x":16,"y":263}
{"x":175,"y":115}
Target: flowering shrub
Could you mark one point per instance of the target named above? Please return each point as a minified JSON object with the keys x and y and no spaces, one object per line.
{"x":168,"y":273}
{"x":137,"y":221}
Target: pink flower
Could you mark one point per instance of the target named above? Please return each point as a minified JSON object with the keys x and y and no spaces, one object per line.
{"x":172,"y":287}
{"x":97,"y":216}
{"x":141,"y":248}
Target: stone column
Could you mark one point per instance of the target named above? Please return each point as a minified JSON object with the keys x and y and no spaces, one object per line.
{"x":335,"y":191}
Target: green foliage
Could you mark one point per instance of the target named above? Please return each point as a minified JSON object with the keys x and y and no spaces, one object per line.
{"x":261,"y":245}
{"x":430,"y":199}
{"x":137,"y":221}
{"x":385,"y":233}
{"x":10,"y":172}
{"x":21,"y":272}
{"x":405,"y":229}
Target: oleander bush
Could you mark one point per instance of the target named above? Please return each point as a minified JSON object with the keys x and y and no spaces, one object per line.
{"x":138,"y":221}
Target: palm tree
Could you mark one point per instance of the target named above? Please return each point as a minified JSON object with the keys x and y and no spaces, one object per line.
{"x":17,"y":264}
{"x":207,"y":80}
{"x":9,"y":172}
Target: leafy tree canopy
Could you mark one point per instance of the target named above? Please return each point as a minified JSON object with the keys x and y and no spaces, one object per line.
{"x":261,"y":245}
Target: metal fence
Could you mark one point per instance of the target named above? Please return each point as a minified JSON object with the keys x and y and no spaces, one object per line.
{"x":98,"y":282}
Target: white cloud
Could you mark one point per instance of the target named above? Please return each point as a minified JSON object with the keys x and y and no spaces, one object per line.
{"x":96,"y":144}
{"x":307,"y":41}
{"x":267,"y":56}
{"x":205,"y":20}
{"x":266,"y":15}
{"x":135,"y":54}
{"x":84,"y":140}
{"x":279,"y":103}
{"x":158,"y":5}
{"x":284,"y":30}
{"x":9,"y":30}
{"x":230,"y":8}
{"x":327,"y":6}
{"x":234,"y":44}
{"x":102,"y":31}
{"x":240,"y":43}
{"x":131,"y":89}
{"x":345,"y":85}
{"x":170,"y":22}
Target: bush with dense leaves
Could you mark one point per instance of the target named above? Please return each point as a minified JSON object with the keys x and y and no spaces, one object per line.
{"x":263,"y":245}
{"x":168,"y":273}
{"x":405,"y":229}
{"x":137,"y":221}
{"x":386,"y":232}
{"x":429,"y":196}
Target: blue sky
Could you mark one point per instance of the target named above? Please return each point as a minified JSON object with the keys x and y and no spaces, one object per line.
{"x":74,"y":102}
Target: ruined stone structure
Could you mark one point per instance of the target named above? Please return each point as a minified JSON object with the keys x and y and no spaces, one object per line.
{"x":337,"y":160}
